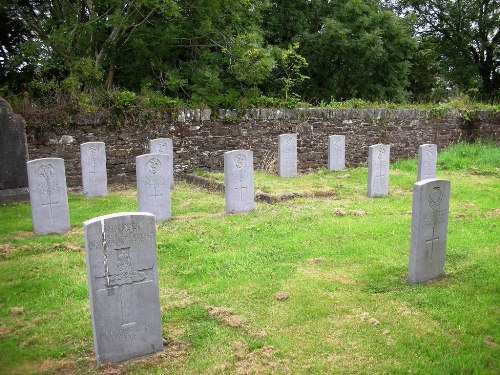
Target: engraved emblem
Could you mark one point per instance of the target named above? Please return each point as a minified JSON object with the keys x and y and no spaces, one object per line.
{"x":126,"y":273}
{"x":162,"y":147}
{"x":240,"y":161}
{"x":435,"y":197}
{"x":47,"y":171}
{"x":153,"y":165}
{"x":289,"y":142}
{"x":381,"y":153}
{"x":336,"y":142}
{"x":93,"y":150}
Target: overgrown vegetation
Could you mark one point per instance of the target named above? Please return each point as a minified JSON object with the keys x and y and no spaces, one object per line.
{"x":304,"y":286}
{"x":236,"y":54}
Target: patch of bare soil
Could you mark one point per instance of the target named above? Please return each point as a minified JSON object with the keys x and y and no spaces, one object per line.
{"x":16,"y":310}
{"x":281,"y":296}
{"x":490,"y":341}
{"x":175,"y":298}
{"x":4,"y":331}
{"x":67,"y":246}
{"x":342,"y":212}
{"x":226,"y":317}
{"x":259,"y":361}
{"x":6,"y":248}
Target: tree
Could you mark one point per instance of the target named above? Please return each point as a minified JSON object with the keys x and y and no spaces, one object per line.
{"x":468,"y":37}
{"x":361,"y":51}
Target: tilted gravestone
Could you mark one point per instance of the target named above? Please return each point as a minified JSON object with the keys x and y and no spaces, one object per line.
{"x":429,"y":229}
{"x":122,"y":275}
{"x":427,"y":160}
{"x":378,"y":170}
{"x":94,"y":176}
{"x":164,"y":146}
{"x":13,"y":155}
{"x":287,"y":155}
{"x":238,"y":181}
{"x":48,"y":195}
{"x":153,"y":185}
{"x":336,"y":152}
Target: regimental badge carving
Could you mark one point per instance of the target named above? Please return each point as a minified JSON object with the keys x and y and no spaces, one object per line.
{"x":153,"y":165}
{"x":289,"y":142}
{"x":47,"y":171}
{"x":240,"y":161}
{"x":162,"y":148}
{"x":435,"y":197}
{"x":93,"y":151}
{"x":381,"y":153}
{"x":126,"y":273}
{"x":336,"y":142}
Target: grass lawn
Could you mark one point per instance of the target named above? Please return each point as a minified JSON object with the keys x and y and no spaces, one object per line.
{"x":310,"y":285}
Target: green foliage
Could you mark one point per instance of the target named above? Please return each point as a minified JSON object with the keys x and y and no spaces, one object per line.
{"x":291,"y":64}
{"x":124,"y":99}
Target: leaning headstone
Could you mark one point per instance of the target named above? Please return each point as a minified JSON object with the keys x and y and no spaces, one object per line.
{"x":238,"y":181}
{"x":122,"y":275}
{"x":378,"y":170}
{"x":336,"y":152}
{"x":429,"y":228}
{"x":94,"y":176}
{"x":164,"y":146}
{"x":427,"y":160}
{"x":287,"y":155}
{"x":153,"y":185}
{"x":13,"y":155}
{"x":48,"y":195}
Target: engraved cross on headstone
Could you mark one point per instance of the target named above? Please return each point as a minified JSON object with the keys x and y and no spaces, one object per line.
{"x":155,"y":195}
{"x":431,"y":242}
{"x":50,"y":204}
{"x":241,"y":190}
{"x":93,"y":172}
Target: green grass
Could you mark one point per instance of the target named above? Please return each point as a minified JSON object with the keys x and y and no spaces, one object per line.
{"x":349,"y":309}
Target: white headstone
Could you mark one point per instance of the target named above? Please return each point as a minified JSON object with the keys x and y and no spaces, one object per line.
{"x":122,"y":275}
{"x":427,"y":160}
{"x":164,"y":146}
{"x":153,"y":185}
{"x":48,"y":195}
{"x":287,"y":155}
{"x":238,"y":181}
{"x":94,"y":176}
{"x":429,"y":228}
{"x":378,"y":170}
{"x":336,"y":152}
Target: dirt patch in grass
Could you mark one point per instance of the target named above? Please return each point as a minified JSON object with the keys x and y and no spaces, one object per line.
{"x":176,"y":298}
{"x":313,"y":271}
{"x":258,"y":361}
{"x":7,"y":248}
{"x":226,"y":316}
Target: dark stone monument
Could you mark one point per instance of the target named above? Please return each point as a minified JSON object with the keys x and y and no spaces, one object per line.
{"x":13,"y":156}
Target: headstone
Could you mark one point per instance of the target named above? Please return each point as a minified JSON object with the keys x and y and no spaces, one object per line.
{"x":427,"y":160}
{"x":122,"y":275}
{"x":94,"y":176}
{"x":48,"y":195}
{"x":336,"y":152}
{"x":164,"y":146}
{"x":287,"y":155}
{"x":238,"y":181}
{"x":378,"y":170}
{"x":429,"y":228}
{"x":153,"y":185}
{"x":13,"y":155}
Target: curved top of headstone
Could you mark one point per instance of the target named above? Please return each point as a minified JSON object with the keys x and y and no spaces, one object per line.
{"x":112,"y":216}
{"x":13,"y":148}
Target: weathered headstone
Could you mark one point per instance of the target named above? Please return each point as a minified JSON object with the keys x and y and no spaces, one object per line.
{"x":153,"y":185}
{"x":427,"y":160}
{"x":94,"y":176}
{"x":164,"y":146}
{"x":378,"y":170}
{"x":48,"y":195}
{"x":13,"y":155}
{"x":429,"y":228}
{"x":336,"y":152}
{"x":287,"y":155}
{"x":122,"y":275}
{"x":238,"y":181}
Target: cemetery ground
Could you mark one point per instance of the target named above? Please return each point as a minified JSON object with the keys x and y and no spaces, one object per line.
{"x":309,"y":285}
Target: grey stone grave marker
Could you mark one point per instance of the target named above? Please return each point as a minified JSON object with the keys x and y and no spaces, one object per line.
{"x":153,"y":185}
{"x":94,"y":176}
{"x":336,"y":152}
{"x":287,"y":155}
{"x":238,"y":181}
{"x":48,"y":195}
{"x":427,"y":160}
{"x":122,"y":275}
{"x":13,"y":155}
{"x":429,"y":228}
{"x":378,"y":170}
{"x":164,"y":146}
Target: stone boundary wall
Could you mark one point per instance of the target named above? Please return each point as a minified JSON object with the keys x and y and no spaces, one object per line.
{"x":201,"y":137}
